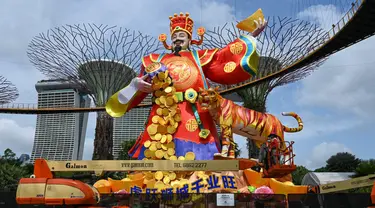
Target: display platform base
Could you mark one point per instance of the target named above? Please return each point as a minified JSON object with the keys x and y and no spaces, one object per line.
{"x":244,"y":163}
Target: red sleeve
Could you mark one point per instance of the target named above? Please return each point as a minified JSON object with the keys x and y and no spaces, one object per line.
{"x":235,"y":63}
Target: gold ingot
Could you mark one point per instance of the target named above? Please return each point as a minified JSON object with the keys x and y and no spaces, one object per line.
{"x":158,"y":136}
{"x":147,"y":143}
{"x":152,"y":129}
{"x":171,"y":145}
{"x":168,"y":90}
{"x":173,"y":157}
{"x":153,"y":148}
{"x":181,"y":158}
{"x":147,"y":153}
{"x":159,"y":175}
{"x":171,"y":151}
{"x":166,"y":179}
{"x":159,"y":185}
{"x":165,"y":112}
{"x":163,"y":139}
{"x":169,"y":101}
{"x":172,"y":176}
{"x":158,"y":145}
{"x":159,"y":154}
{"x":162,"y":130}
{"x":159,"y":111}
{"x":177,"y":117}
{"x":164,"y":147}
{"x":155,"y":119}
{"x":171,"y":129}
{"x":248,"y":24}
{"x":190,"y":156}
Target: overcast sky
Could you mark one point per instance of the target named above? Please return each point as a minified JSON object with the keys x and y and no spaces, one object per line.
{"x":336,"y":102}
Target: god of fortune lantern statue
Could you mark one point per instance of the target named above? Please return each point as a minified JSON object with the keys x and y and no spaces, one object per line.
{"x":178,"y":128}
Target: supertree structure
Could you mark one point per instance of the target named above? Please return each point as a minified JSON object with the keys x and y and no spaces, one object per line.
{"x":8,"y":92}
{"x":280,"y":45}
{"x":98,"y":58}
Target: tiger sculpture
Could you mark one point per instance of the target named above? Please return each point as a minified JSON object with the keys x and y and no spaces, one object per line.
{"x":233,"y":118}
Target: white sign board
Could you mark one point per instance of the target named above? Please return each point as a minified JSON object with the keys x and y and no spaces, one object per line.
{"x":225,"y":200}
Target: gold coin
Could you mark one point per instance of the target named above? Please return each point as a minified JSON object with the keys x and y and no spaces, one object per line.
{"x":171,"y":145}
{"x":158,"y":93}
{"x":147,"y":143}
{"x":173,"y":157}
{"x":165,"y":112}
{"x":159,"y":175}
{"x":164,"y":146}
{"x":145,"y":158}
{"x":166,"y":156}
{"x":147,"y":153}
{"x":171,"y":122}
{"x":177,"y":117}
{"x":152,"y":137}
{"x":161,"y":121}
{"x":162,"y":129}
{"x":169,"y":138}
{"x":162,"y":99}
{"x":153,"y":148}
{"x":175,"y":184}
{"x":149,"y":175}
{"x":163,"y":139}
{"x":156,"y":86}
{"x":181,"y":158}
{"x":158,"y":136}
{"x":171,"y":129}
{"x":190,"y":156}
{"x":158,"y":145}
{"x":184,"y":181}
{"x":171,"y":151}
{"x":159,"y":154}
{"x":176,"y":125}
{"x":159,"y":111}
{"x":175,"y":98}
{"x":166,"y":179}
{"x":155,"y":119}
{"x":169,"y":101}
{"x":152,"y":129}
{"x":173,"y":113}
{"x":159,"y":185}
{"x":168,"y":90}
{"x":172,"y":176}
{"x":150,"y":183}
{"x":168,"y":80}
{"x":165,"y":85}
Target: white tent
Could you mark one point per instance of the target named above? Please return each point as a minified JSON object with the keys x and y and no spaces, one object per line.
{"x":315,"y":178}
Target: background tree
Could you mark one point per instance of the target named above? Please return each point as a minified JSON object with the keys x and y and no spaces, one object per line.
{"x":8,"y":92}
{"x":298,"y":174}
{"x":342,"y":162}
{"x":365,"y":167}
{"x":99,"y":59}
{"x":125,"y":147}
{"x":283,"y":41}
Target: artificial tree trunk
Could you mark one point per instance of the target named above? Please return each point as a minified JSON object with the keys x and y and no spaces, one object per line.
{"x":103,"y":143}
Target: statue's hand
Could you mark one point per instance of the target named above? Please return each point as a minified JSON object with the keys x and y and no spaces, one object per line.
{"x":261,"y":24}
{"x":142,"y":85}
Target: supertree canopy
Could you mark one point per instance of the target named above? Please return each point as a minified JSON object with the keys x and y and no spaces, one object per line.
{"x":101,"y":59}
{"x":8,"y":92}
{"x":281,"y":44}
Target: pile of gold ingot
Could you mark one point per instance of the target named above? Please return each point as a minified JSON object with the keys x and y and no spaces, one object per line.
{"x":161,"y":131}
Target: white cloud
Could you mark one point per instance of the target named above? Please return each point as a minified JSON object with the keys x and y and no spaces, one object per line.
{"x":17,"y":138}
{"x":322,"y":152}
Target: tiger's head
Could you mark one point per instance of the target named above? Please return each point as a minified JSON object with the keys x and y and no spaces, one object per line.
{"x":209,"y":98}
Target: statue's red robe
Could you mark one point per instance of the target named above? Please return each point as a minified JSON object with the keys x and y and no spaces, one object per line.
{"x":235,"y":63}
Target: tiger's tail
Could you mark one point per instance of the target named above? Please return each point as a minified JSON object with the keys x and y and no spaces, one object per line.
{"x":299,"y":120}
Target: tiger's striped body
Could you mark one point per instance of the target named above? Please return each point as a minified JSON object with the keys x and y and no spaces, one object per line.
{"x":233,"y":118}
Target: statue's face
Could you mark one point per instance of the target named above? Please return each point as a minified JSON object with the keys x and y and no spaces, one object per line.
{"x":181,"y":38}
